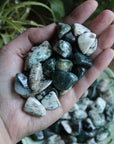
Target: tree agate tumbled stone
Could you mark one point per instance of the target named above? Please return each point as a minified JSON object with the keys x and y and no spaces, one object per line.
{"x":63,"y":48}
{"x":63,"y":80}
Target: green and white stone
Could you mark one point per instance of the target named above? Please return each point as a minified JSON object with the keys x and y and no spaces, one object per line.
{"x":102,"y":85}
{"x":63,"y":48}
{"x":34,"y":107}
{"x":86,"y":42}
{"x":92,"y":48}
{"x":35,"y":76}
{"x":97,"y":118}
{"x":63,"y":29}
{"x":79,"y":29}
{"x":80,"y":114}
{"x":50,"y":101}
{"x":64,"y":65}
{"x":40,"y":54}
{"x":66,"y":126}
{"x":55,"y":139}
{"x":99,"y":105}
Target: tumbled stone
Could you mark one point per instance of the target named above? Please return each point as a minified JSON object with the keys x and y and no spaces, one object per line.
{"x":43,"y":85}
{"x":55,"y":139}
{"x":20,"y":89}
{"x":69,"y":37}
{"x":64,"y":65}
{"x":82,"y":60}
{"x":79,"y":71}
{"x":70,"y":139}
{"x":80,"y":114}
{"x":66,"y":116}
{"x":22,"y":79}
{"x":63,"y":48}
{"x":86,"y":41}
{"x":102,"y":134}
{"x":40,"y":54}
{"x":91,"y":141}
{"x":109,"y":113}
{"x":102,"y":85}
{"x":37,"y":136}
{"x":49,"y":67}
{"x":74,"y":108}
{"x":83,"y":103}
{"x":79,"y":29}
{"x":99,"y":105}
{"x":50,"y":101}
{"x":88,"y":125}
{"x":97,"y":118}
{"x":92,"y":48}
{"x":34,"y":107}
{"x":63,"y":80}
{"x":35,"y":76}
{"x":66,"y":126}
{"x":62,"y":29}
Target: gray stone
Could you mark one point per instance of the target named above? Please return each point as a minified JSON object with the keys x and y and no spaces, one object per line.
{"x":63,"y":48}
{"x":80,"y":114}
{"x":34,"y":107}
{"x":50,"y":101}
{"x":19,"y":89}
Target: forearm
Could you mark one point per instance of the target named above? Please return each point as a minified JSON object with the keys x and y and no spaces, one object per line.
{"x":4,"y":136}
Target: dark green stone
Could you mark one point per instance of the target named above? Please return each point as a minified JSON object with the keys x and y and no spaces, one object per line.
{"x":88,"y":125}
{"x":38,"y":136}
{"x":76,"y":126}
{"x":84,"y":136}
{"x":69,"y":37}
{"x":82,"y":60}
{"x":63,"y":80}
{"x":62,"y":29}
{"x":64,"y":65}
{"x":63,"y":48}
{"x":49,"y":67}
{"x":109,"y":113}
{"x":79,"y":71}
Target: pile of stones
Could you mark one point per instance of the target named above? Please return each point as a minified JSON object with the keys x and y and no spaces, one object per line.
{"x":86,"y":122}
{"x":52,"y":69}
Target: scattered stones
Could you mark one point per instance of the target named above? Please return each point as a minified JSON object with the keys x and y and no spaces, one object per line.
{"x":52,"y":70}
{"x":51,"y":101}
{"x":34,"y":107}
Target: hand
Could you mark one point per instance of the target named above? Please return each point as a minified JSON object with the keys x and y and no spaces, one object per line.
{"x":16,"y":124}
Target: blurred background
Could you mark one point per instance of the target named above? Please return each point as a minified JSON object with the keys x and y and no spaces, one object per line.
{"x":18,"y":15}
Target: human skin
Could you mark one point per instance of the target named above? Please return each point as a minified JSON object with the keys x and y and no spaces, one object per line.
{"x":16,"y":124}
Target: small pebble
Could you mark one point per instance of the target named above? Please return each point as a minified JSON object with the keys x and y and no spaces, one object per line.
{"x":34,"y":107}
{"x":51,"y":101}
{"x":66,"y":126}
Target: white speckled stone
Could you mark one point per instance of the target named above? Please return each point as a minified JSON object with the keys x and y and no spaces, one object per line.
{"x":66,"y":126}
{"x":51,"y":101}
{"x":34,"y":107}
{"x":92,"y":48}
{"x":85,"y":41}
{"x":35,"y":76}
{"x":79,"y":29}
{"x":99,"y":105}
{"x":97,"y":118}
{"x":80,"y":114}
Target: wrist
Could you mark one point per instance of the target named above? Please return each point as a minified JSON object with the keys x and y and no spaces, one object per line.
{"x":4,"y":135}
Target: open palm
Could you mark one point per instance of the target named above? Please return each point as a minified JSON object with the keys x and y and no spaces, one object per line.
{"x":17,"y":123}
